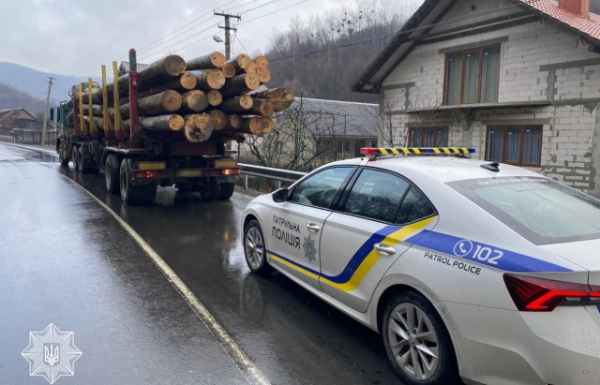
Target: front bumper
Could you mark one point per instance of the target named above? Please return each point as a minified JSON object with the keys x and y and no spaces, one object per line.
{"x":496,"y":346}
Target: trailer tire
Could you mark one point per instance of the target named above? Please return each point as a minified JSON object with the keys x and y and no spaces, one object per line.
{"x":87,"y":165}
{"x":76,"y":159}
{"x":226,"y":191}
{"x":130,"y":195}
{"x":63,"y":157}
{"x":112,"y":174}
{"x":211,"y":191}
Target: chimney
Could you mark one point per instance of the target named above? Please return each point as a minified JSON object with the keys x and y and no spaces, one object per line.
{"x":578,"y":7}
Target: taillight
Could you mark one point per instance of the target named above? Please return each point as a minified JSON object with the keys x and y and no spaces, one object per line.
{"x":544,"y":295}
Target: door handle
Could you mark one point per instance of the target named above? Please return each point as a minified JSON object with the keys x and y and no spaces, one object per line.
{"x":385,"y":250}
{"x":313,"y":227}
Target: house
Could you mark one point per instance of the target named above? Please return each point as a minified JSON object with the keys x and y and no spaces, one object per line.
{"x":519,"y":80}
{"x":313,"y":132}
{"x":25,"y":127}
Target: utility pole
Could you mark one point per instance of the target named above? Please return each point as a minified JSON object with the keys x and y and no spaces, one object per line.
{"x":227,"y":29}
{"x":49,"y":81}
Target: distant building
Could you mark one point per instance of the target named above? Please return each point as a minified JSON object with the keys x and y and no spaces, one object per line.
{"x":24,"y":127}
{"x":313,"y":132}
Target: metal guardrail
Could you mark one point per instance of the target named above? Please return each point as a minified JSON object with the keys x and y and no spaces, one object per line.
{"x":7,"y":139}
{"x":277,"y":174}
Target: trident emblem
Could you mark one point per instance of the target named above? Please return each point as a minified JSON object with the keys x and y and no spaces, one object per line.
{"x":51,"y":354}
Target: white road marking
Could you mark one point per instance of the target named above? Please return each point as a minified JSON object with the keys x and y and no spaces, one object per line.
{"x":245,"y":365}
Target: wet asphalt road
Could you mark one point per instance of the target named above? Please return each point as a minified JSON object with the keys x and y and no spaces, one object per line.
{"x":66,"y":260}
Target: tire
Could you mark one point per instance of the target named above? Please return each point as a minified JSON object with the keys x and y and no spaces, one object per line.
{"x":112,"y":174}
{"x":130,"y":195}
{"x":64,"y":161}
{"x":396,"y":326}
{"x":76,"y":160}
{"x":87,"y":165}
{"x":211,"y":191}
{"x":226,"y":191}
{"x":255,"y":250}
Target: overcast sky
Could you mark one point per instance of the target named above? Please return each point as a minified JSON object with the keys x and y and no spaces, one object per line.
{"x":74,"y":37}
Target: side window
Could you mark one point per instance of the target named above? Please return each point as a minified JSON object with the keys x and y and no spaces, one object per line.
{"x":320,"y":189}
{"x":376,"y":195}
{"x":414,"y":207}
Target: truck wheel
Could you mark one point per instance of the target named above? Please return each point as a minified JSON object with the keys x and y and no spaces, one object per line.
{"x":111,"y":174}
{"x":63,"y":157}
{"x":130,"y":195}
{"x":76,"y":160}
{"x":417,"y":342}
{"x":87,"y":165}
{"x":226,"y":191}
{"x":211,"y":191}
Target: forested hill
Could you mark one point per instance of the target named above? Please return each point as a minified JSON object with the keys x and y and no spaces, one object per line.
{"x":10,"y":97}
{"x":307,"y":58}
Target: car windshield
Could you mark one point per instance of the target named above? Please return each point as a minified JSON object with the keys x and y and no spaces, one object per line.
{"x":541,"y":210}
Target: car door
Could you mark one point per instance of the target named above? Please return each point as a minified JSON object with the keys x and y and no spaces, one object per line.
{"x":296,"y":224}
{"x":368,"y":233}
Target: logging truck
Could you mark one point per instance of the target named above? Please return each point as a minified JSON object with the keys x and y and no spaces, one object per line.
{"x":168,"y":123}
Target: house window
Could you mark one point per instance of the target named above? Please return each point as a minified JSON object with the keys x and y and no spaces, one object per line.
{"x":358,"y":145}
{"x":472,"y":76}
{"x":428,"y":137}
{"x":521,"y":146}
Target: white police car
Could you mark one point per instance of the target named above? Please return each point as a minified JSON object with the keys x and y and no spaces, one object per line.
{"x":486,"y":272}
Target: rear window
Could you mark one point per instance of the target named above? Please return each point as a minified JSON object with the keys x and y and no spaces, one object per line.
{"x":539,"y":209}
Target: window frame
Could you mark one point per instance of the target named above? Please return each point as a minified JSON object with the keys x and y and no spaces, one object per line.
{"x":505,"y":130}
{"x":462,"y":74}
{"x":337,"y":196}
{"x":433,"y":128}
{"x":341,"y":202}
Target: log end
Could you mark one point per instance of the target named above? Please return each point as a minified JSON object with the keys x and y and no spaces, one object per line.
{"x":195,"y":100}
{"x":228,"y":70}
{"x":217,"y":59}
{"x":171,"y":100}
{"x":255,"y":125}
{"x":264,"y":75}
{"x":176,"y":122}
{"x":188,"y":81}
{"x":246,"y":102}
{"x":243,"y":60}
{"x":234,"y":122}
{"x":219,"y":119}
{"x":251,"y":68}
{"x":198,"y":128}
{"x":174,"y":65}
{"x":215,"y":79}
{"x":262,"y":62}
{"x":214,"y":98}
{"x":252,"y":81}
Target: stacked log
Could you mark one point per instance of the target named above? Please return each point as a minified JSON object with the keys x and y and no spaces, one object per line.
{"x":204,"y":97}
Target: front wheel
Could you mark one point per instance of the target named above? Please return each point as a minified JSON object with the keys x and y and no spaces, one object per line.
{"x":63,"y":156}
{"x":417,"y":342}
{"x":255,"y":249}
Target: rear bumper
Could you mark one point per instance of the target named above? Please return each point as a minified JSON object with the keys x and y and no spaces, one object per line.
{"x":496,"y":346}
{"x":185,"y":173}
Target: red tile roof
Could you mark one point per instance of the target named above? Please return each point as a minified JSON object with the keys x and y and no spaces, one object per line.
{"x":590,"y":27}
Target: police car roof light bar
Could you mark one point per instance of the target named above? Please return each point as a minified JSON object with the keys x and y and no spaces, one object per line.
{"x":375,"y":151}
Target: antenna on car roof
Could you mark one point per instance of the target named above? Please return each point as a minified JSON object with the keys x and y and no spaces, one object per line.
{"x":495,"y":166}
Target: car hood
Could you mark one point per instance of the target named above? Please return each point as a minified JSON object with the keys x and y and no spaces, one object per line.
{"x":583,"y":253}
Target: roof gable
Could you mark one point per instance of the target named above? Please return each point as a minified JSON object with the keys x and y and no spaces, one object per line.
{"x":427,"y":17}
{"x":9,"y":113}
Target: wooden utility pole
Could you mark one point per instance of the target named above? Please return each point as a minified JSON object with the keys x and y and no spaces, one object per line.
{"x":49,"y":80}
{"x":227,"y":29}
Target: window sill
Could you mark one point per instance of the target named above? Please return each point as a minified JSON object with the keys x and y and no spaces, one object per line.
{"x":540,"y":103}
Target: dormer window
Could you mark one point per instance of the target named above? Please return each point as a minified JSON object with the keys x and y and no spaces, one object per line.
{"x":472,"y":76}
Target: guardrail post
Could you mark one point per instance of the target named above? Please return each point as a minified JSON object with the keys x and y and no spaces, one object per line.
{"x":245,"y":182}
{"x":278,"y":184}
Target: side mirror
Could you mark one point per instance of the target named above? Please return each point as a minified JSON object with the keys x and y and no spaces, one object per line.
{"x":280,"y":195}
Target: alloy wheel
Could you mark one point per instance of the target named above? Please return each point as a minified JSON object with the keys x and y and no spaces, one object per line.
{"x":255,"y":248}
{"x":414,"y":342}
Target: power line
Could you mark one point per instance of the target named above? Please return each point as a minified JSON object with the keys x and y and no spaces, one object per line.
{"x":270,"y":13}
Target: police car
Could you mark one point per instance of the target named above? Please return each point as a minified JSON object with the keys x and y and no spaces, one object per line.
{"x":469,"y":269}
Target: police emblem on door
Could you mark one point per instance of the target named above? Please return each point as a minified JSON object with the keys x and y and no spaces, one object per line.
{"x":310,"y":251}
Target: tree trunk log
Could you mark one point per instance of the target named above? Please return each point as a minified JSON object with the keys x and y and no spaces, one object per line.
{"x":97,"y":110}
{"x":261,"y":107}
{"x":228,"y":70}
{"x":264,"y":75}
{"x":194,"y":101}
{"x":214,"y":98}
{"x":261,"y":62}
{"x":198,"y":127}
{"x":163,"y":123}
{"x":268,"y":126}
{"x":239,"y":85}
{"x":240,"y":62}
{"x":282,"y":98}
{"x":211,"y":80}
{"x":233,"y":122}
{"x":98,"y":120}
{"x":160,"y":104}
{"x":213,"y":60}
{"x":184,"y":83}
{"x":237,"y":104}
{"x":251,"y":68}
{"x":255,"y":125}
{"x":218,"y":118}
